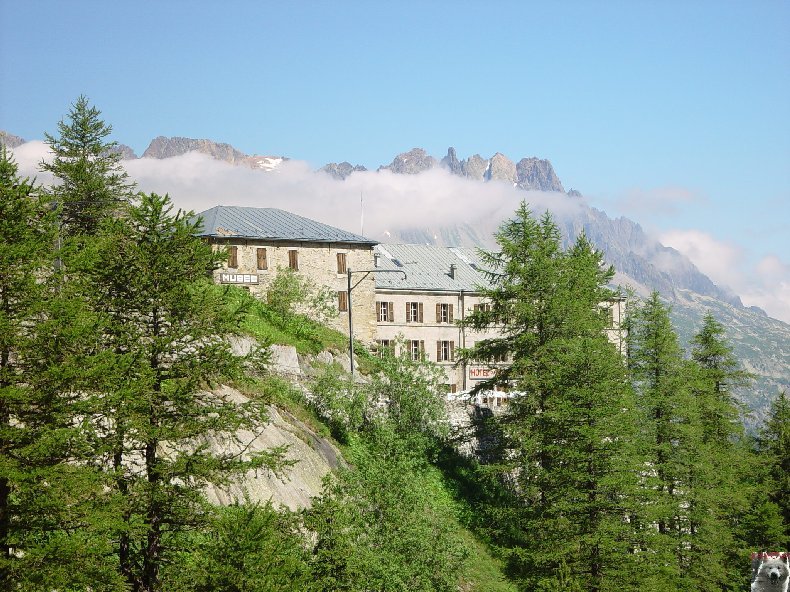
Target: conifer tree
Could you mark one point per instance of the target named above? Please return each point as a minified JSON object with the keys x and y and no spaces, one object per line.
{"x":162,"y":349}
{"x":47,"y":501}
{"x":690,"y":419}
{"x":774,"y":462}
{"x":571,"y":438}
{"x":91,"y":182}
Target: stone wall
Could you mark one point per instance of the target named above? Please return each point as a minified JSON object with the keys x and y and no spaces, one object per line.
{"x":431,"y":330}
{"x":316,"y":261}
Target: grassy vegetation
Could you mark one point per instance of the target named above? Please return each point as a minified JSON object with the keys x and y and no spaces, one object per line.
{"x":482,"y":570}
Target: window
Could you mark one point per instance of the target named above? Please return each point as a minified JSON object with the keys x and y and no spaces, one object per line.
{"x":262,"y":262}
{"x":342,"y":301}
{"x":444,"y":313}
{"x":449,"y":388}
{"x":383,"y":346}
{"x":416,"y":349}
{"x":385,"y":311}
{"x":341,"y":263}
{"x":233,"y":256}
{"x":414,"y":312}
{"x":293,"y":259}
{"x":445,"y":351}
{"x":485,"y":307}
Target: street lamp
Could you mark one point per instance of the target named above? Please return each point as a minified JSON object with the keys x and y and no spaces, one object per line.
{"x":367,"y":272}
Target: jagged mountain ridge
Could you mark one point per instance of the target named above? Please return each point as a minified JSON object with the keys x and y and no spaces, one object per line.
{"x":528,"y":173}
{"x":164,"y":147}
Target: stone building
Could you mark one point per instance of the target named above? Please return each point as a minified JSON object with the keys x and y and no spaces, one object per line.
{"x":441,"y":286}
{"x":261,"y":241}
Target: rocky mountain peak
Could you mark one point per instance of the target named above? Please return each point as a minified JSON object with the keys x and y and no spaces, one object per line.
{"x":538,"y":175}
{"x":10,"y":140}
{"x":342,"y":170}
{"x":412,"y":162}
{"x":451,"y":162}
{"x":163,"y":147}
{"x":500,"y":168}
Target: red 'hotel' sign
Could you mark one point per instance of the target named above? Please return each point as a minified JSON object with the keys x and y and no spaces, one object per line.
{"x":481,"y":373}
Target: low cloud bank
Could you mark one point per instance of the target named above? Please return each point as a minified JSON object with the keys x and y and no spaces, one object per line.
{"x":766,"y":284}
{"x":383,"y":203}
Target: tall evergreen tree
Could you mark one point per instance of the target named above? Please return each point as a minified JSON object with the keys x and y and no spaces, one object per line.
{"x":720,"y":376}
{"x":572,"y":454}
{"x":691,"y":422}
{"x":774,"y":463}
{"x":47,"y":501}
{"x":162,"y":349}
{"x":91,"y":182}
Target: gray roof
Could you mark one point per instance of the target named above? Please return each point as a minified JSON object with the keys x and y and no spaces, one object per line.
{"x":427,"y":267}
{"x":272,"y":224}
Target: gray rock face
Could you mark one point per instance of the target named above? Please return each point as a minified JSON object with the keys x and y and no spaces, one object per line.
{"x":451,"y":162}
{"x":531,"y":174}
{"x":125,"y":151}
{"x":10,"y":140}
{"x":162,"y":147}
{"x":412,"y":162}
{"x":342,"y":170}
{"x":474,"y":167}
{"x":295,"y":487}
{"x":501,"y":168}
{"x":537,"y":175}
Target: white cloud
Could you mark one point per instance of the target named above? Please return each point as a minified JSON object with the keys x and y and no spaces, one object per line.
{"x":658,"y":201}
{"x":426,"y":201}
{"x":391,"y":202}
{"x":765,"y":283}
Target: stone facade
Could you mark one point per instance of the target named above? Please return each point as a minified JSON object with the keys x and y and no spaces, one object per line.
{"x":314,"y":260}
{"x":434,"y":328}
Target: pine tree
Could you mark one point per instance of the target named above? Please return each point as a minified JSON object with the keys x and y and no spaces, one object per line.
{"x":572,"y":447}
{"x":693,"y":423}
{"x":162,"y":348}
{"x":92,"y":183}
{"x":47,"y":501}
{"x":720,"y":376}
{"x":774,"y":463}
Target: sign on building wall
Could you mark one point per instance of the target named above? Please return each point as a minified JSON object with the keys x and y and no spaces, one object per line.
{"x":481,"y":373}
{"x":238,"y":278}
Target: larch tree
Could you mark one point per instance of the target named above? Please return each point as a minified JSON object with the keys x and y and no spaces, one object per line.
{"x":774,"y":464}
{"x":161,"y":434}
{"x":91,"y":183}
{"x":571,"y":439}
{"x":688,"y":424}
{"x":49,"y":499}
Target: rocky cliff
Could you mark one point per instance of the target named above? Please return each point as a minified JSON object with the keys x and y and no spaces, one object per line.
{"x":341,"y":170}
{"x":163,"y":147}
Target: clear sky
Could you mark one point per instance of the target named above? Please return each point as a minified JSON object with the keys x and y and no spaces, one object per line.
{"x":675,"y":113}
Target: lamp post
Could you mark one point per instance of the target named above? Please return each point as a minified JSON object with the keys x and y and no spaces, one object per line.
{"x":367,"y":272}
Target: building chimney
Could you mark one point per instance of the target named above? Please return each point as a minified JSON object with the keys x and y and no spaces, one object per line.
{"x":452,"y":271}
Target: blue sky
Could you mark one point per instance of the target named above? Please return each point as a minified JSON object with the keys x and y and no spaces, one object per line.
{"x":674,"y":113}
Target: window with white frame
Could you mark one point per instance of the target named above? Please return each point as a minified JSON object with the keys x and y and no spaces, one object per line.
{"x":414,"y":312}
{"x":445,"y":351}
{"x":444,"y":312}
{"x":385,"y":312}
{"x":416,"y":349}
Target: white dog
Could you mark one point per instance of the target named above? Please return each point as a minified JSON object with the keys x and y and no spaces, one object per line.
{"x":770,"y":572}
